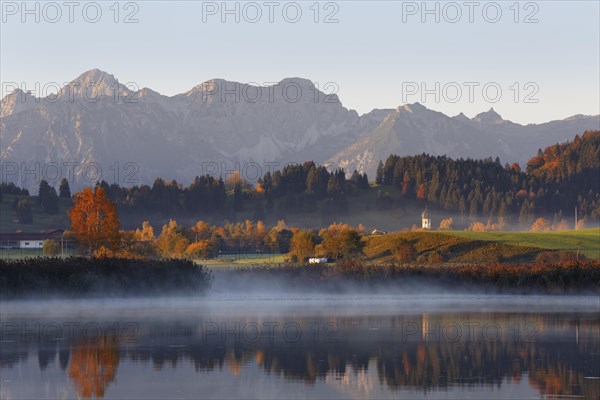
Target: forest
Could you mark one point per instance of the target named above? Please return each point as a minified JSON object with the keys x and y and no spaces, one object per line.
{"x":554,"y":182}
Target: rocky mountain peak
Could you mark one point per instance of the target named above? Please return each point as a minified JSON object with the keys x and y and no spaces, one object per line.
{"x":488,"y":117}
{"x":93,"y":84}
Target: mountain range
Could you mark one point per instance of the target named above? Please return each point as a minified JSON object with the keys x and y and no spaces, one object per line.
{"x":95,"y":120}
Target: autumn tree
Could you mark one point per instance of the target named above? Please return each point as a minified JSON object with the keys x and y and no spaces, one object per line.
{"x":302,"y":245}
{"x":172,"y":241}
{"x":200,"y":249}
{"x":477,"y":227}
{"x":446,"y":224}
{"x":561,"y":225}
{"x":235,"y":179}
{"x":340,"y":241}
{"x":540,"y":225}
{"x":94,"y":220}
{"x":201,"y":231}
{"x":146,"y":233}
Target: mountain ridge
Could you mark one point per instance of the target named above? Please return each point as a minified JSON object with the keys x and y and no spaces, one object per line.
{"x":227,"y":123}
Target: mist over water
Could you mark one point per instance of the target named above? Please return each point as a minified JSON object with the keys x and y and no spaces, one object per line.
{"x":275,"y":339}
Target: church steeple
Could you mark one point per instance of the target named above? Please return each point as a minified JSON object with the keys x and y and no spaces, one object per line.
{"x":425,"y":219}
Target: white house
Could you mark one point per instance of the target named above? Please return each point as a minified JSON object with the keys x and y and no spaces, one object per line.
{"x":317,"y":260}
{"x":31,"y":244}
{"x":378,"y":232}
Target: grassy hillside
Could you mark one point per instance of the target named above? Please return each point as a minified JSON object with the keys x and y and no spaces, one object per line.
{"x":588,"y":240}
{"x":41,"y":220}
{"x":433,"y":247}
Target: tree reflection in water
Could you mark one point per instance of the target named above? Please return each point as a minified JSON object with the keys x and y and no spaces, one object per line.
{"x":93,"y":365}
{"x":561,"y":360}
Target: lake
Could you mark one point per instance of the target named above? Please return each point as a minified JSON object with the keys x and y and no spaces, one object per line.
{"x":318,"y":346}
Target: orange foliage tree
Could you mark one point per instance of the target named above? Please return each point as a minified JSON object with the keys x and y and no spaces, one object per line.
{"x":94,"y":220}
{"x":540,"y":225}
{"x":477,"y":227}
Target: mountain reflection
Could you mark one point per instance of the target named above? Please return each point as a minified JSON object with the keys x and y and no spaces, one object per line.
{"x":559,"y":360}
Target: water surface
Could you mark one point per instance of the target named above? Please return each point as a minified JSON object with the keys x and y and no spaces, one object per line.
{"x":224,"y":346}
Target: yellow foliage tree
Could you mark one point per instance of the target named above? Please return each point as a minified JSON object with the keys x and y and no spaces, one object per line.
{"x":172,"y":241}
{"x":146,"y":233}
{"x":201,"y":231}
{"x":302,"y":245}
{"x":200,"y":249}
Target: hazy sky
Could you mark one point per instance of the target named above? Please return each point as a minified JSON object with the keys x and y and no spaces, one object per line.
{"x":378,"y":54}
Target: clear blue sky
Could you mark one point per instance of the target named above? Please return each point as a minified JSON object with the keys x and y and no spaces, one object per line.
{"x":370,"y":53}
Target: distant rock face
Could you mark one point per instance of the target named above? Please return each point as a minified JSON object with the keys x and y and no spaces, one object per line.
{"x":413,"y":129}
{"x":96,"y":123}
{"x":96,"y":128}
{"x":488,"y":117}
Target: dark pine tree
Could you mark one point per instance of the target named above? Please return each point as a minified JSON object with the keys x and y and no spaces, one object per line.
{"x":379,"y":175}
{"x":64,"y":191}
{"x":238,"y":198}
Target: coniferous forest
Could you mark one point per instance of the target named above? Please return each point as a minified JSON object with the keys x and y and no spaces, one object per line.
{"x":555,"y":181}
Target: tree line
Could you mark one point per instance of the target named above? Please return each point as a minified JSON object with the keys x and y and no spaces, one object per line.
{"x":556,"y":180}
{"x":559,"y":178}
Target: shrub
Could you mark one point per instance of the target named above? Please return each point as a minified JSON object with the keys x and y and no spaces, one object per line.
{"x":447,"y":224}
{"x":51,"y":248}
{"x":477,"y":227}
{"x":435,"y":258}
{"x":540,"y":225}
{"x":405,"y":253}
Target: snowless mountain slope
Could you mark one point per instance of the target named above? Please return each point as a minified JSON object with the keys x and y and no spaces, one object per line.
{"x":102,"y":129}
{"x":413,"y":129}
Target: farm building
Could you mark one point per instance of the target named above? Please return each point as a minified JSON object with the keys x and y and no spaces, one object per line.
{"x":28,"y":240}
